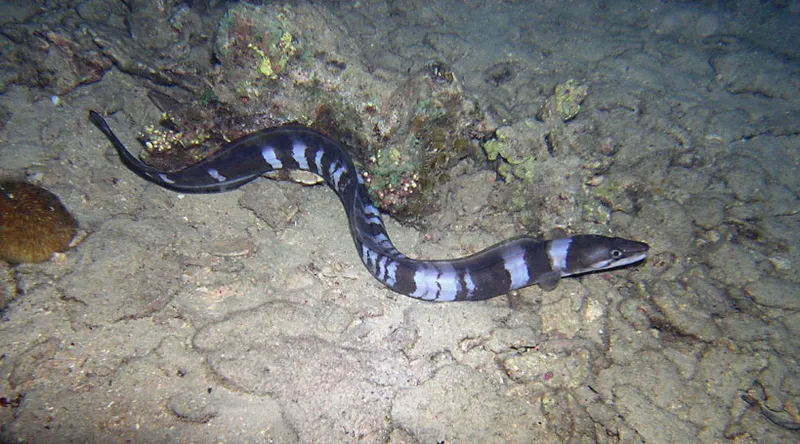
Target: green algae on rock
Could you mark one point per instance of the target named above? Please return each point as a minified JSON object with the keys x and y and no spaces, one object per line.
{"x":516,"y":149}
{"x":33,"y":223}
{"x":256,"y":45}
{"x":569,"y":96}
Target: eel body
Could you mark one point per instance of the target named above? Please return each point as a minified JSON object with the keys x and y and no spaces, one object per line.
{"x":509,"y":265}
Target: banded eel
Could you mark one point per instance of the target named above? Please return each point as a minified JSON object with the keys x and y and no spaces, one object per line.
{"x":509,"y":265}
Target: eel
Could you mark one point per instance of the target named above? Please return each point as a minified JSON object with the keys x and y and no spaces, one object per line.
{"x":497,"y":270}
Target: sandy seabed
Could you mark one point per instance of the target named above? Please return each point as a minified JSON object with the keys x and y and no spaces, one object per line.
{"x":190,"y":318}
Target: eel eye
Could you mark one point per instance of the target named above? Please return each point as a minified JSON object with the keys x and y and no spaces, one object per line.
{"x":616,"y":254}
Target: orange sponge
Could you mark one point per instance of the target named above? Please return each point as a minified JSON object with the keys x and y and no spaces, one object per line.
{"x":33,"y":223}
